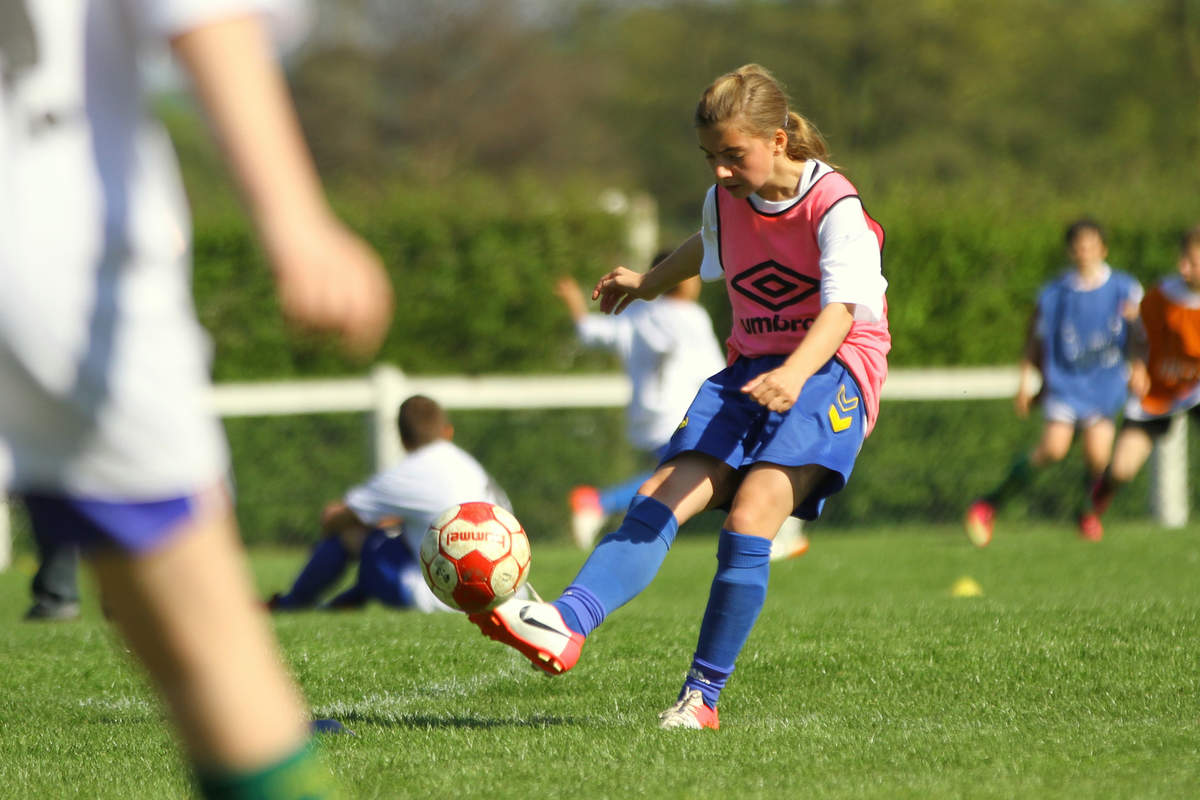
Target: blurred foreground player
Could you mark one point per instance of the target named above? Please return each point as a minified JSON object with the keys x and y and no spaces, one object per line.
{"x":105,"y":424}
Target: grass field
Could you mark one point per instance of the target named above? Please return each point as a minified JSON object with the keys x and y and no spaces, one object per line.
{"x":1075,"y":675}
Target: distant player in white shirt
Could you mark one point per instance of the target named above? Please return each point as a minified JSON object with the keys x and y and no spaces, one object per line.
{"x":667,"y":348}
{"x":381,"y":522}
{"x":106,"y":430}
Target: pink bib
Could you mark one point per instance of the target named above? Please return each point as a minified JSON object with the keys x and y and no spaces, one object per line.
{"x":773,"y":274}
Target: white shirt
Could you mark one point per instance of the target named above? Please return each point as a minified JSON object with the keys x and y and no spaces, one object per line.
{"x":103,"y":365}
{"x":422,"y":485}
{"x":851,"y":270}
{"x":668,"y":349}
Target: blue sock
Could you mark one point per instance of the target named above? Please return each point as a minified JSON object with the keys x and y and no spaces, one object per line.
{"x":708,"y":678}
{"x":734,"y":601}
{"x":621,"y":566}
{"x":324,"y":567}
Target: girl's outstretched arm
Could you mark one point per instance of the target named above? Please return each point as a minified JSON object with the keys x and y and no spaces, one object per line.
{"x":622,"y":286}
{"x":328,"y":279}
{"x":777,"y":389}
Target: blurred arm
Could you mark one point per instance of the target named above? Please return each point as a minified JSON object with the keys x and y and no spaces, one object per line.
{"x":328,"y":279}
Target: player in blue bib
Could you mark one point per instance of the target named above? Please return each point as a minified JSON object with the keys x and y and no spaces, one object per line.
{"x":1078,"y":340}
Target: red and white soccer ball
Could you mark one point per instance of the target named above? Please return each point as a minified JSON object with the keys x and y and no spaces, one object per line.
{"x":475,"y":556}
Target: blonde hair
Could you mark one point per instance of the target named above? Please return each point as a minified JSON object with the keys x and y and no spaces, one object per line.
{"x":752,"y":96}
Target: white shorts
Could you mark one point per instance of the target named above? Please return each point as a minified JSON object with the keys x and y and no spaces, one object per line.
{"x":104,"y":392}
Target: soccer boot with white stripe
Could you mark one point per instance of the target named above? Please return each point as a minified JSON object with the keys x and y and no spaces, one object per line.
{"x":689,"y":712}
{"x":534,"y":629}
{"x":790,"y":541}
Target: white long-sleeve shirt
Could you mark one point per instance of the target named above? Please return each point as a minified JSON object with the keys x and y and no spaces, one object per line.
{"x":668,"y":348}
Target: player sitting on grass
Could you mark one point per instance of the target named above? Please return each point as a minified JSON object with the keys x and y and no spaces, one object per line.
{"x":380,"y":523}
{"x":1077,"y":340}
{"x":778,"y":430}
{"x":1170,"y":314}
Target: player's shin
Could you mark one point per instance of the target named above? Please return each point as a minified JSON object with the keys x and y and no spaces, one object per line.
{"x":734,"y":602}
{"x":621,"y":566}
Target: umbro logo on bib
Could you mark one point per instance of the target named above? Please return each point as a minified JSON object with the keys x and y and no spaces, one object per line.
{"x":774,"y":286}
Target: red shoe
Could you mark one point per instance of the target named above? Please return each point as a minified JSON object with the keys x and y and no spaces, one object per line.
{"x":534,"y":629}
{"x":1090,"y":527}
{"x":981,"y":516}
{"x":689,"y":712}
{"x":789,"y":541}
{"x":587,"y":517}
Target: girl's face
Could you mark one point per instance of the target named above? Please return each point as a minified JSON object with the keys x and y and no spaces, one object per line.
{"x":741,"y":162}
{"x":1087,"y":249}
{"x":1189,"y":267}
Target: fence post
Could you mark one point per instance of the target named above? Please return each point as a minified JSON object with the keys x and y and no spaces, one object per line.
{"x":5,"y":535}
{"x":643,"y":230}
{"x":640,"y":214}
{"x":389,"y":388}
{"x":1168,"y":476}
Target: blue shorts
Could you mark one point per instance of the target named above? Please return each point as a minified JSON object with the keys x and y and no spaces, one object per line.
{"x":1082,"y":412}
{"x":103,"y":524}
{"x":387,"y":570}
{"x":824,"y":427}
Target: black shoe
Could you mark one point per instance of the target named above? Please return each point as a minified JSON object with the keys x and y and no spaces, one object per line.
{"x":51,"y":611}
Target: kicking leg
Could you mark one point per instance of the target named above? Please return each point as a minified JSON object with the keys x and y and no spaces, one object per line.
{"x":551,"y":634}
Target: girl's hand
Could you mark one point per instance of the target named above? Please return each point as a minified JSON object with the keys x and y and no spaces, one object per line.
{"x":777,"y":389}
{"x":330,"y":281}
{"x":1022,"y":403}
{"x":618,"y":289}
{"x":1139,"y":378}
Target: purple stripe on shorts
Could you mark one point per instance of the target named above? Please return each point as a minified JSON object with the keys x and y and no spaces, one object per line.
{"x":95,"y":524}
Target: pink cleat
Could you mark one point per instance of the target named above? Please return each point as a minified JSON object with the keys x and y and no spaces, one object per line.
{"x":789,"y":541}
{"x":981,"y":516}
{"x":534,"y":629}
{"x":1090,"y":527}
{"x":689,"y":712}
{"x":587,"y":517}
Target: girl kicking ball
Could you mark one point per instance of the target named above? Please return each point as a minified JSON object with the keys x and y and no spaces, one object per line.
{"x":777,"y":431}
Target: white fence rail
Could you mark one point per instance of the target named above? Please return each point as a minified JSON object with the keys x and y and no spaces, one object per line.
{"x":380,"y":393}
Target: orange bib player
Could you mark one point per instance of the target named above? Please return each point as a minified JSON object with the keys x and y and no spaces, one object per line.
{"x":1169,"y":375}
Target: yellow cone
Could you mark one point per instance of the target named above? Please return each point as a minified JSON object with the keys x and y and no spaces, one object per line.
{"x":966,"y":587}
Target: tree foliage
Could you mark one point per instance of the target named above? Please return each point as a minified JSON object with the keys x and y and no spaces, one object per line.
{"x":1029,"y":99}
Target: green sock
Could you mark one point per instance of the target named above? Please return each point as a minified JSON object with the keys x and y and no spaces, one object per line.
{"x":1018,"y":477}
{"x":300,"y":776}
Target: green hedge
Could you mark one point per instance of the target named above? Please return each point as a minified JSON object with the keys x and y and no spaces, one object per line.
{"x":473,"y":282}
{"x":473,"y":296}
{"x":924,"y":462}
